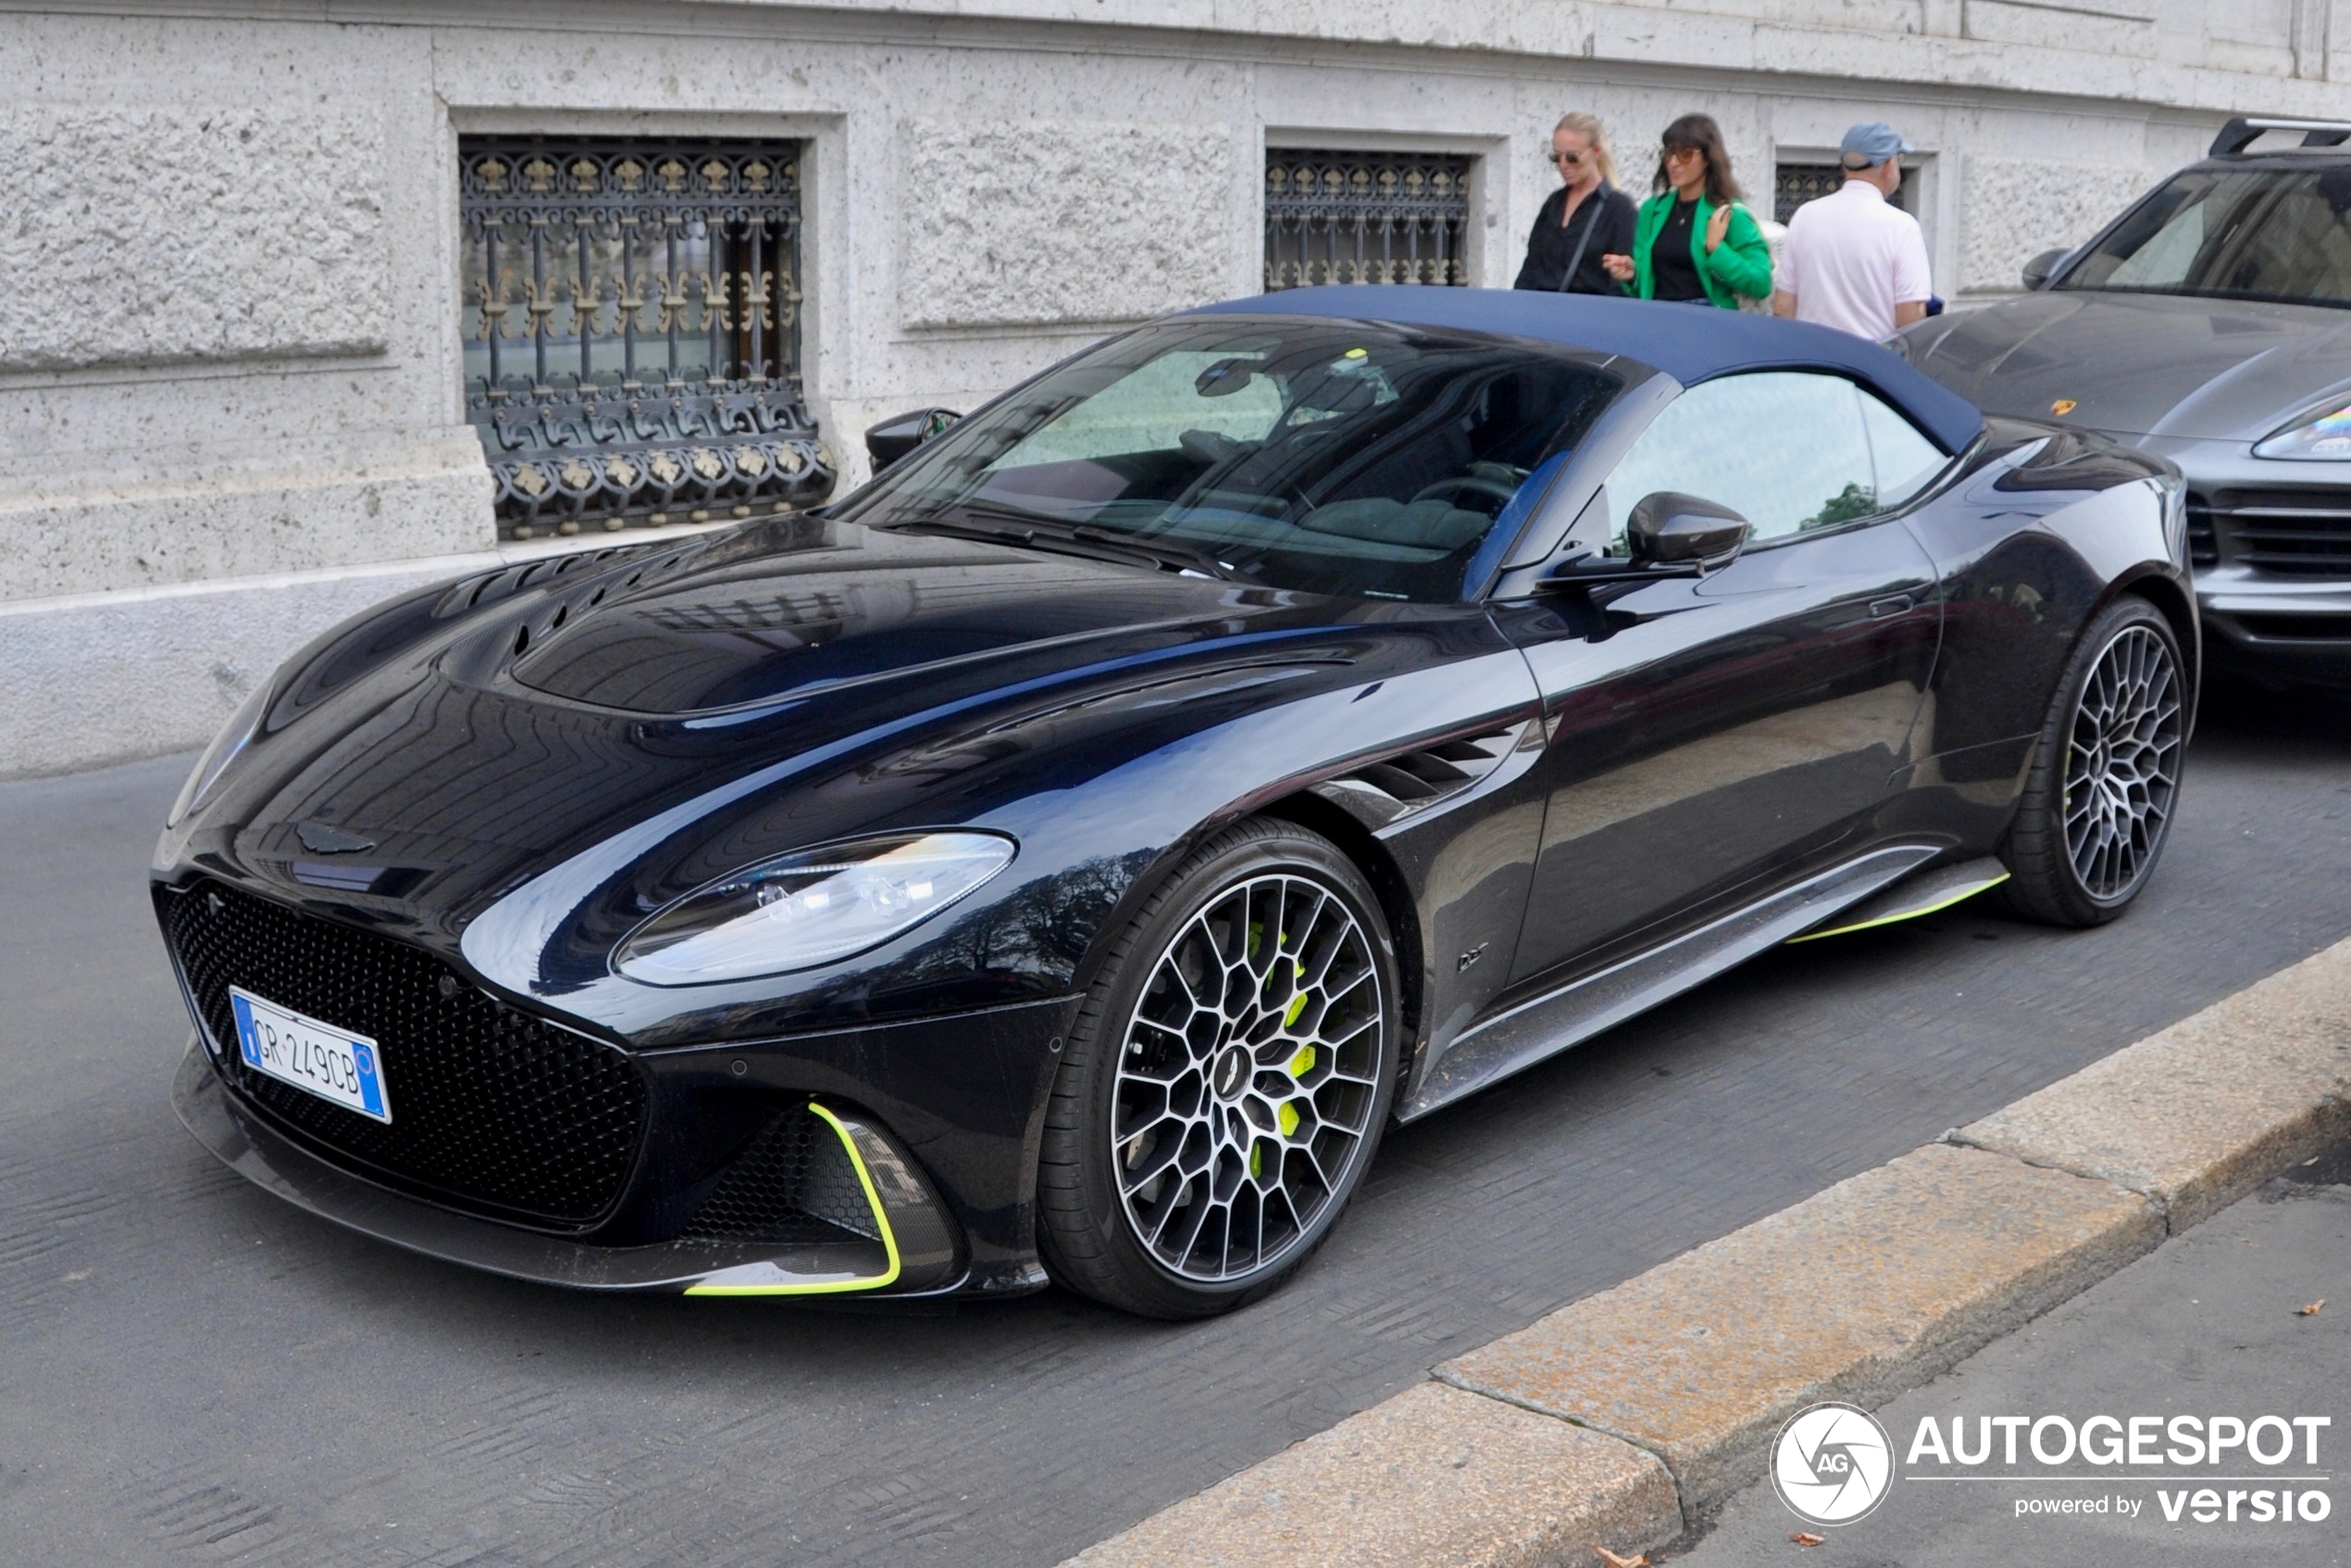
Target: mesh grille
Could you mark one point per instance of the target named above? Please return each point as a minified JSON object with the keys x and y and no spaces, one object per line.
{"x":492,"y":1108}
{"x":792,"y":1184}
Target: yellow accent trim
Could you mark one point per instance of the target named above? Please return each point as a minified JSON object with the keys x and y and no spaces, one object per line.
{"x":830,"y":1286}
{"x":1304,"y":1062}
{"x":1960,"y":896}
{"x":1297,"y":1006}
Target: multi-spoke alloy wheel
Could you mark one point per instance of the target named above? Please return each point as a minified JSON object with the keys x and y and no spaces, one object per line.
{"x":1246,"y":1084}
{"x":2105,"y":778}
{"x":1227,"y":1081}
{"x":2122,"y":760}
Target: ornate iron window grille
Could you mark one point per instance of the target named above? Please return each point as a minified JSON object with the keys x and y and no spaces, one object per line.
{"x":632,"y":331}
{"x":1365,"y":218}
{"x":1793,"y":184}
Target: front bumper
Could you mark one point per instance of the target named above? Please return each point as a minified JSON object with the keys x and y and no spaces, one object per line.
{"x":915,"y":1253}
{"x":894,"y":1157}
{"x":948,"y":1182}
{"x":2272,"y":606}
{"x":2279,"y":628}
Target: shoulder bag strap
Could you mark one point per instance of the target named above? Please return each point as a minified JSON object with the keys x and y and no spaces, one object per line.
{"x":1591,"y":221}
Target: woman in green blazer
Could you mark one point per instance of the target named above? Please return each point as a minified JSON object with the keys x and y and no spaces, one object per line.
{"x":1693,"y":240}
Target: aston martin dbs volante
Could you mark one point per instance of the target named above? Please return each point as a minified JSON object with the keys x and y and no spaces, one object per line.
{"x":1063,"y":858}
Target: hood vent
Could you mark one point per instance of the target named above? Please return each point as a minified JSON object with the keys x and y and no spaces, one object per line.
{"x":470,"y":593}
{"x":1384,"y":791}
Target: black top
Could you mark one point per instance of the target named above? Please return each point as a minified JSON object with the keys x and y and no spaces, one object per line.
{"x":1549,"y":247}
{"x":1670,"y":261}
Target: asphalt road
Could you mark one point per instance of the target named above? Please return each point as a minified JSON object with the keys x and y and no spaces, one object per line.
{"x":2208,"y":1324}
{"x":191,"y":1371}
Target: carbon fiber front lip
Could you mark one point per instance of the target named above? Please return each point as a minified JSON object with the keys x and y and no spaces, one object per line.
{"x":250,"y":1149}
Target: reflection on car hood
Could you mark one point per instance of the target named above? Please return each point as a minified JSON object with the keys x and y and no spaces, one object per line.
{"x":2141,"y":365}
{"x":800,"y":608}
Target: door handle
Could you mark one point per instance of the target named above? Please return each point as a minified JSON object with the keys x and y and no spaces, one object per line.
{"x":1893,"y":605}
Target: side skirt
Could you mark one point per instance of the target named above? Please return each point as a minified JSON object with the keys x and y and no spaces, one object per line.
{"x":1511,"y":1041}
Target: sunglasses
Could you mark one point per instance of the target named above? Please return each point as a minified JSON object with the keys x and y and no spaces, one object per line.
{"x":1571,"y":157}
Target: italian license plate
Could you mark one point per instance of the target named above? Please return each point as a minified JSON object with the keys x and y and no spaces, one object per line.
{"x":330,"y":1063}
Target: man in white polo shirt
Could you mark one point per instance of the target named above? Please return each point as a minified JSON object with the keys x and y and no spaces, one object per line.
{"x":1854,"y":260}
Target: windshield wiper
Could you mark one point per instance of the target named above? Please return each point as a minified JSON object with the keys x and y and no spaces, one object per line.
{"x":1176,"y":556}
{"x":1041,"y":532}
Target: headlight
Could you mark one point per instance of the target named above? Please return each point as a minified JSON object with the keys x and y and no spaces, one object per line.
{"x":2326,"y":439}
{"x":809,"y":908}
{"x":226,"y":747}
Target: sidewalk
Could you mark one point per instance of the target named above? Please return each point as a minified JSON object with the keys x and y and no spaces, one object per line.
{"x":2203,"y":1324}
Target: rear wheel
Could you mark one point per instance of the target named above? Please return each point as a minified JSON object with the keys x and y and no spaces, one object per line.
{"x":2099,"y":799}
{"x":1226,"y":1082}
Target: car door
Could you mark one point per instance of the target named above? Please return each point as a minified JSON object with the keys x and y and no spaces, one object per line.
{"x":1708,"y":734}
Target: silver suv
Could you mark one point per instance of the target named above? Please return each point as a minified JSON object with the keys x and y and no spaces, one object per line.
{"x":2210,"y":323}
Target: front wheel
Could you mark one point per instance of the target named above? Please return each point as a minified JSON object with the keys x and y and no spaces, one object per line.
{"x":2104,"y":775}
{"x":1226,"y":1081}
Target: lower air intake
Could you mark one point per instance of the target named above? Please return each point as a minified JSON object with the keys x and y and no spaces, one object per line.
{"x":794,"y":1183}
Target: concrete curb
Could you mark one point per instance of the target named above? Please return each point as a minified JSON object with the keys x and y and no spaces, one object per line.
{"x":1619,"y":1420}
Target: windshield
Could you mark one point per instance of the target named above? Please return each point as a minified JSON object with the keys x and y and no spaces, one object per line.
{"x":1331,"y":456}
{"x":2249,"y":233}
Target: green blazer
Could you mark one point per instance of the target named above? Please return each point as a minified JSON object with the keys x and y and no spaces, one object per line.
{"x":1740,"y":265}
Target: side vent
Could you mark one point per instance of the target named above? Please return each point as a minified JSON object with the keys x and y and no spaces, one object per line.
{"x":1384,"y":791}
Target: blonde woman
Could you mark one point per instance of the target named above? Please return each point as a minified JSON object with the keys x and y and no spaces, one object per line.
{"x":1584,"y":219}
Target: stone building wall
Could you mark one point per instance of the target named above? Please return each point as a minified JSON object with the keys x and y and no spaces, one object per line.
{"x":230,"y":341}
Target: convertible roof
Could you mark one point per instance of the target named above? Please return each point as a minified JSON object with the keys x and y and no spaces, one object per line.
{"x":1689,"y":343}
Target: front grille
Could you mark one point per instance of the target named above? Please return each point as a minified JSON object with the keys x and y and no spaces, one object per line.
{"x":792,"y":1184}
{"x":2290,"y":532}
{"x":492,"y":1108}
{"x":2204,"y":546}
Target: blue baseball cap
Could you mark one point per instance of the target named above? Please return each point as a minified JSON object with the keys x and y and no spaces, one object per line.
{"x":1870,"y":143}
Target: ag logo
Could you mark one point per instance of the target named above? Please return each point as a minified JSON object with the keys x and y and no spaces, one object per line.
{"x":1831,"y":1463}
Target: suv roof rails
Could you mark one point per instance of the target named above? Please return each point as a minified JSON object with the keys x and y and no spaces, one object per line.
{"x":2245,"y":129}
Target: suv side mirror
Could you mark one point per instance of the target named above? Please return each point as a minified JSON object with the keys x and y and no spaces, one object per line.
{"x":1668,"y":528}
{"x":898,"y":435}
{"x":2042,"y":267}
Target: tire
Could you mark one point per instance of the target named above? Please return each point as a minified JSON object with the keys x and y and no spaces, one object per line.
{"x":1225,"y":1084}
{"x":2105,"y":777}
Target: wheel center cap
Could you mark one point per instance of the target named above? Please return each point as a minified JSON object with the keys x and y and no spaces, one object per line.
{"x":1232,"y":1072}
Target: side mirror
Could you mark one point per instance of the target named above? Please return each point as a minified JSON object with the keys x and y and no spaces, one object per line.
{"x":897,"y":436}
{"x":1670,"y":528}
{"x":2042,"y":267}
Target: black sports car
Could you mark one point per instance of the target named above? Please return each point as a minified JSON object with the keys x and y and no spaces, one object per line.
{"x":1067,"y":853}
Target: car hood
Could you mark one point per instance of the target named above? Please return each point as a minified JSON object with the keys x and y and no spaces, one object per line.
{"x":2142,"y":364}
{"x":476,"y":734}
{"x":802,"y":610}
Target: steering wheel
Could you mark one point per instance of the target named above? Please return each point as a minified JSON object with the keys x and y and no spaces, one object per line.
{"x":1452,"y":490}
{"x":1207,"y":446}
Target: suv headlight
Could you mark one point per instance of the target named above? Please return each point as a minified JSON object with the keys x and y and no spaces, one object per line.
{"x":2326,"y":439}
{"x":226,"y":748}
{"x":808,"y":908}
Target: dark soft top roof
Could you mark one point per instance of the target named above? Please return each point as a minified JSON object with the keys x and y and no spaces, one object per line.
{"x":1691,"y":343}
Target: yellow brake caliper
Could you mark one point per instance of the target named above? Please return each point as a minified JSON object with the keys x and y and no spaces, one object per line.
{"x":1286,"y":1116}
{"x":1298,"y":1066}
